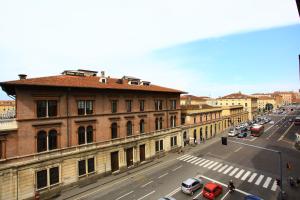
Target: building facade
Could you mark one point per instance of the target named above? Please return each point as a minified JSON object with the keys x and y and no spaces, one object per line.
{"x":76,"y":127}
{"x":7,"y":109}
{"x":236,"y":99}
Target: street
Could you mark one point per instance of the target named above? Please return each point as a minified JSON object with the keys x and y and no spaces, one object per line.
{"x":253,"y":171}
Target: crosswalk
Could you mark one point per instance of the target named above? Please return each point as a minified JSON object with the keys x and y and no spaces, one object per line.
{"x":242,"y":174}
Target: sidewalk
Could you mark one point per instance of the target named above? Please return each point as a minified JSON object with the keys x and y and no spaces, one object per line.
{"x":72,"y":192}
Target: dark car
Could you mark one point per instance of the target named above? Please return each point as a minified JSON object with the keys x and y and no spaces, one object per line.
{"x":242,"y":135}
{"x":252,"y":197}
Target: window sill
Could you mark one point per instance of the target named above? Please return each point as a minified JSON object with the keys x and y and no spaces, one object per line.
{"x":48,"y":187}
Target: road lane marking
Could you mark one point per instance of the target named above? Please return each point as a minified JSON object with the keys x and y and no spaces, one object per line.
{"x":252,"y":177}
{"x":173,"y":192}
{"x":272,"y":133}
{"x":204,"y":163}
{"x":227,"y":170}
{"x":287,"y":130}
{"x":146,"y":195}
{"x":200,"y":161}
{"x":238,"y":149}
{"x":217,"y":167}
{"x":124,"y":195}
{"x":187,"y":158}
{"x":183,"y":156}
{"x":194,"y":197}
{"x":233,"y":172}
{"x":245,"y":175}
{"x":239,"y":174}
{"x":267,"y":182}
{"x":214,"y":164}
{"x":225,"y":195}
{"x":223,"y":184}
{"x":177,"y":168}
{"x":191,"y":159}
{"x":209,"y":163}
{"x":274,"y":186}
{"x":146,"y":184}
{"x":224,"y":167}
{"x":163,"y":175}
{"x":195,"y":160}
{"x":259,"y":179}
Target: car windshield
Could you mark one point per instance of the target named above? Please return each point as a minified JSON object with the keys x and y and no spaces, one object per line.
{"x":207,"y":190}
{"x":185,"y":185}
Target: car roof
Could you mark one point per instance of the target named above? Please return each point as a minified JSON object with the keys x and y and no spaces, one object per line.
{"x":189,"y":181}
{"x":211,"y":186}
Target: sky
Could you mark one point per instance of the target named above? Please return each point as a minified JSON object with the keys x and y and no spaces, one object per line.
{"x":204,"y":47}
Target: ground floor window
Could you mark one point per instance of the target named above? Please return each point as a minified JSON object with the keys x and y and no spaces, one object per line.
{"x":173,"y":141}
{"x":47,"y":177}
{"x":159,"y":145}
{"x":86,"y":166}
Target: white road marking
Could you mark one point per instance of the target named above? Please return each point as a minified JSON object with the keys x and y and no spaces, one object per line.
{"x":147,"y":195}
{"x":233,"y":172}
{"x":223,"y":184}
{"x":252,"y":177}
{"x":191,"y":159}
{"x":173,"y":192}
{"x":146,"y":184}
{"x":195,"y":160}
{"x":124,"y":195}
{"x":227,"y":170}
{"x":274,"y":186}
{"x":239,"y":174}
{"x":214,"y":164}
{"x":217,"y":167}
{"x":267,"y":182}
{"x":259,"y":179}
{"x":238,"y":149}
{"x":204,"y":163}
{"x":183,"y":156}
{"x":163,"y":175}
{"x":198,"y":195}
{"x":224,"y":167}
{"x":245,"y":175}
{"x":287,"y":130}
{"x":200,"y":161}
{"x":225,"y":195}
{"x":177,"y":168}
{"x":187,"y":158}
{"x":209,"y":163}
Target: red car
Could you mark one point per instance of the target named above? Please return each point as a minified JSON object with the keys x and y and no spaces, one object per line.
{"x":212,"y":190}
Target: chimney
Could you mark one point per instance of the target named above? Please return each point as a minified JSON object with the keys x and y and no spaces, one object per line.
{"x":22,"y":76}
{"x":102,"y":74}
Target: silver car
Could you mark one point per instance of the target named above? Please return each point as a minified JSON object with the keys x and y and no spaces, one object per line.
{"x":190,"y":185}
{"x":167,"y":198}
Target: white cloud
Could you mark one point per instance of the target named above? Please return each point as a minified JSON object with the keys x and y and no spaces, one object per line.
{"x":45,"y":37}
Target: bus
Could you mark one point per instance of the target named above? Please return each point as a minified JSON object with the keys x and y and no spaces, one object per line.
{"x":297,"y":121}
{"x":257,"y":130}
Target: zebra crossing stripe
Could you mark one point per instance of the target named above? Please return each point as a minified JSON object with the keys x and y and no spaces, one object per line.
{"x":211,"y":166}
{"x":245,"y":175}
{"x":227,"y":170}
{"x":195,"y":160}
{"x":224,"y":167}
{"x":204,"y":163}
{"x":233,"y":172}
{"x":217,"y":167}
{"x":274,"y":186}
{"x":191,"y":159}
{"x":259,"y":179}
{"x":267,"y":182}
{"x":209,"y":163}
{"x":187,"y":158}
{"x":239,"y":174}
{"x":183,"y":156}
{"x":200,"y":161}
{"x":252,"y":177}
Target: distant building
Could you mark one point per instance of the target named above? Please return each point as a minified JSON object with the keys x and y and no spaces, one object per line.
{"x":238,"y":99}
{"x":7,"y":109}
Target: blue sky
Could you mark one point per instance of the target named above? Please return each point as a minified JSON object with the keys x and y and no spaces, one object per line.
{"x":194,"y":45}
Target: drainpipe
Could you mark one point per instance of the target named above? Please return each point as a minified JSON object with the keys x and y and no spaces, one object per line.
{"x":68,"y":123}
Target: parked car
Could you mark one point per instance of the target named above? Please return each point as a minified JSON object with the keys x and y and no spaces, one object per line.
{"x":242,"y":135}
{"x":167,"y":198}
{"x":232,"y":132}
{"x":190,"y":185}
{"x":271,"y":122}
{"x":252,"y":197}
{"x":212,"y":190}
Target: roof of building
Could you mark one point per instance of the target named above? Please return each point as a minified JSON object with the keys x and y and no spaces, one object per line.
{"x":265,"y":98}
{"x":82,"y":82}
{"x":192,"y":97}
{"x":7,"y":103}
{"x":237,"y":95}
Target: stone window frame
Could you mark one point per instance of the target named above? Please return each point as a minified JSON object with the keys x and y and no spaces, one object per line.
{"x":87,"y":174}
{"x":47,"y":129}
{"x":48,"y":167}
{"x":86,"y":125}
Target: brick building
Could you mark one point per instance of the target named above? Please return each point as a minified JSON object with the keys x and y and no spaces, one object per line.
{"x":78,"y":126}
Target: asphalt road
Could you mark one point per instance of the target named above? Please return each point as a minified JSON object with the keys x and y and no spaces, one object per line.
{"x":252,"y":170}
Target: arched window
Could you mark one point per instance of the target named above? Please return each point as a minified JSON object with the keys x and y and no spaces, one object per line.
{"x":184,"y":135}
{"x":129,"y":128}
{"x":215,"y":129}
{"x":114,"y":130}
{"x":160,"y":123}
{"x":142,"y":126}
{"x":89,"y":134}
{"x":41,"y":141}
{"x":211,"y":130}
{"x":156,"y":124}
{"x":81,"y":135}
{"x":52,"y":139}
